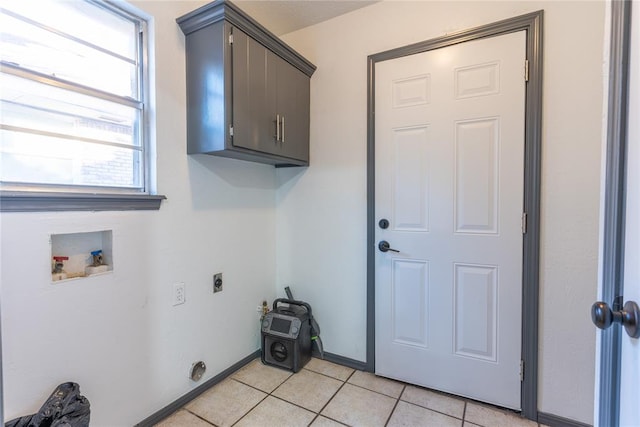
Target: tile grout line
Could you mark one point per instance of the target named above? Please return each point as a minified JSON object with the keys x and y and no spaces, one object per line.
{"x":334,"y":420}
{"x":326,"y":375}
{"x":336,"y":392}
{"x":377,"y":392}
{"x":280,"y":385}
{"x":329,"y":376}
{"x":350,"y":375}
{"x":434,"y":410}
{"x":299,"y":406}
{"x":291,"y":403}
{"x":319,"y":373}
{"x":353,"y":370}
{"x":464,"y":412}
{"x":439,"y":393}
{"x":198,"y":416}
{"x":253,"y":407}
{"x":256,"y":388}
{"x":395,"y":405}
{"x":331,"y":398}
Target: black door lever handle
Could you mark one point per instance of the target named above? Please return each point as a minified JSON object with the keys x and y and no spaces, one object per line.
{"x":385,"y":247}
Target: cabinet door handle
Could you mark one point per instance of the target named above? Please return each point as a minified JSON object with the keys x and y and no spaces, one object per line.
{"x":277,"y":127}
{"x":282,"y":128}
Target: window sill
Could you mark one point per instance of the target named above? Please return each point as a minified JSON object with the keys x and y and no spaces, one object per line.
{"x":22,"y":201}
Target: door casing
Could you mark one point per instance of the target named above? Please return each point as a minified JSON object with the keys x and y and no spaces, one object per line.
{"x":613,"y":234}
{"x":531,"y":23}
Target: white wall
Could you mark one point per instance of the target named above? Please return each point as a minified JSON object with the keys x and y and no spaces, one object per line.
{"x":321,"y":211}
{"x":118,"y":335}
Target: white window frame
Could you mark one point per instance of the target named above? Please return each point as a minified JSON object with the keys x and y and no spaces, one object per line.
{"x":17,"y":197}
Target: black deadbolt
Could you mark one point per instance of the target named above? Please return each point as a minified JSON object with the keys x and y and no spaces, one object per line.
{"x":384,"y":223}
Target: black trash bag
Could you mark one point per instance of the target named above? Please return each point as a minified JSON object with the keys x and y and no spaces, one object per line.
{"x":64,"y":408}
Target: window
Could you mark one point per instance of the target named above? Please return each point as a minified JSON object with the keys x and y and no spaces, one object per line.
{"x":73,"y":93}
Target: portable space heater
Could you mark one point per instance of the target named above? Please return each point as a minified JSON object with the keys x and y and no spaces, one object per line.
{"x":286,"y":335}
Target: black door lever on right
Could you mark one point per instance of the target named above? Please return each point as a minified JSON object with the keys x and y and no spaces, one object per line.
{"x":385,"y":247}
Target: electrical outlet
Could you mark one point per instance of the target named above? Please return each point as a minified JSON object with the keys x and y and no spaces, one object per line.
{"x":217,"y":282}
{"x":178,"y":293}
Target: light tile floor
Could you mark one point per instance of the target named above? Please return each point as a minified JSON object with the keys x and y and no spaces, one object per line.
{"x":324,"y":394}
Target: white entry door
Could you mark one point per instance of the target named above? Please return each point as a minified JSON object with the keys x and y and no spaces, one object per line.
{"x":449,"y":150}
{"x":630,"y":378}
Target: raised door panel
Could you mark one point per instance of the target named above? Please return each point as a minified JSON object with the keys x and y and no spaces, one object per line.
{"x":411,"y":154}
{"x":477,"y":145}
{"x":293,"y":108}
{"x":254,"y":95}
{"x":474,"y":311}
{"x":410,"y":302}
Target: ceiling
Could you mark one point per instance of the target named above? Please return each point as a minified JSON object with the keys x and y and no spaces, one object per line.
{"x":282,"y":17}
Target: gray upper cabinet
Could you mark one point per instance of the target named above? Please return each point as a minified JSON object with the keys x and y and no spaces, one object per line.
{"x":247,"y":91}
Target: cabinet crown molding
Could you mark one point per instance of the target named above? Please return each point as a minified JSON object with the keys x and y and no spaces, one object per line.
{"x":225,"y":10}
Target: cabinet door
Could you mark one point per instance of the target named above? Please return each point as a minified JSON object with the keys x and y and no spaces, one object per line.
{"x":293,"y":107}
{"x":254,"y":95}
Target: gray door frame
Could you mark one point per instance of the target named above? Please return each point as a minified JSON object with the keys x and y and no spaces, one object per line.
{"x":1,"y":380}
{"x":531,"y":23}
{"x":614,"y":210}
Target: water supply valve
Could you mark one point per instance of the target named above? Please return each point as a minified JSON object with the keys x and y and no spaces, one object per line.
{"x":59,"y":263}
{"x":97,"y":258}
{"x":97,"y":265}
{"x":58,"y":272}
